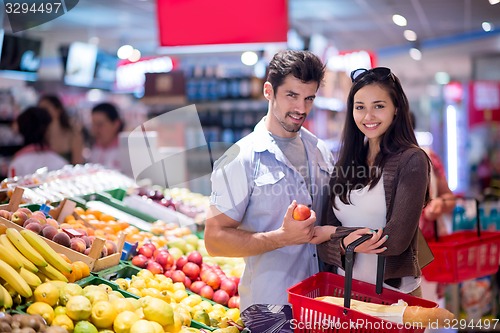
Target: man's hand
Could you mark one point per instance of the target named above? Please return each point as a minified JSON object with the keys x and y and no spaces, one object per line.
{"x":434,"y":209}
{"x":293,"y":232}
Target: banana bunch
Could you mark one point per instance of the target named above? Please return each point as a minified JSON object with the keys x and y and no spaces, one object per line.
{"x":26,"y":261}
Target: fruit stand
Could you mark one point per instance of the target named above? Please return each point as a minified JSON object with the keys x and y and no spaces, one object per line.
{"x":80,"y":258}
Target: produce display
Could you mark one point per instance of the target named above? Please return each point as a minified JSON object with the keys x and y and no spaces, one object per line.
{"x":50,"y":275}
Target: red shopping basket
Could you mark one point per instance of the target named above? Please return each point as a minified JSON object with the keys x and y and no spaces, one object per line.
{"x":314,"y":316}
{"x":464,"y":255}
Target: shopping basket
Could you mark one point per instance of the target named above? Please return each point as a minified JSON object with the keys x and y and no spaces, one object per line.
{"x":464,"y":255}
{"x":314,"y":316}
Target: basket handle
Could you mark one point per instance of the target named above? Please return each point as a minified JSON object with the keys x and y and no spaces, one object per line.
{"x":478,"y":219}
{"x":349,"y":263}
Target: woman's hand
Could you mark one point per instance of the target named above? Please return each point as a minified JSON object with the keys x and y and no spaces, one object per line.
{"x":371,"y":246}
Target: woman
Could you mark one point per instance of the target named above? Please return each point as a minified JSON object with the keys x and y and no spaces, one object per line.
{"x":106,"y":125}
{"x":63,"y":137}
{"x":33,"y":124}
{"x":380,"y":182}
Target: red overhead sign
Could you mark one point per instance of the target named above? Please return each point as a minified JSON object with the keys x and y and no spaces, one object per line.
{"x":202,"y":22}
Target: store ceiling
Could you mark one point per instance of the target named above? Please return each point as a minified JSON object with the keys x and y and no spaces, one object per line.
{"x":348,"y":24}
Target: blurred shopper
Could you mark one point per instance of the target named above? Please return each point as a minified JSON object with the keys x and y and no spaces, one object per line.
{"x":381,"y":181}
{"x":33,"y":125}
{"x":442,"y":198}
{"x":106,"y":125}
{"x":63,"y":136}
{"x":258,"y":182}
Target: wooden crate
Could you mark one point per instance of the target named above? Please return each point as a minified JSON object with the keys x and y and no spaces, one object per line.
{"x":66,"y":207}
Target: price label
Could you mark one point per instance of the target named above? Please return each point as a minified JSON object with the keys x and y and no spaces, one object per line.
{"x":26,"y":14}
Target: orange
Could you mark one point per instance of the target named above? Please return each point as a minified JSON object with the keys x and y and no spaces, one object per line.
{"x":65,"y":257}
{"x":47,"y":293}
{"x":77,"y":270}
{"x":106,"y":218}
{"x":79,"y":210}
{"x":84,"y":268}
{"x":69,"y":219}
{"x":42,"y":309}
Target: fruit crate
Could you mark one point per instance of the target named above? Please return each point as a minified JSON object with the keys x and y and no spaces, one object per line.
{"x":93,"y":260}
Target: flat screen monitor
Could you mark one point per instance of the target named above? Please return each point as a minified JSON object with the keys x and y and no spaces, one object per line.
{"x":80,"y":64}
{"x":19,"y":54}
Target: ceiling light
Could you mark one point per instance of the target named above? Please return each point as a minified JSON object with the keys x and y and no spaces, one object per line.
{"x":124,"y":51}
{"x":494,"y":2}
{"x":487,"y":26}
{"x":249,"y":58}
{"x":399,"y":20}
{"x":135,"y":56}
{"x":415,"y":54}
{"x":410,"y":35}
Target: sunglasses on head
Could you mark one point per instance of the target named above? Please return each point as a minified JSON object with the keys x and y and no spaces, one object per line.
{"x":381,"y":73}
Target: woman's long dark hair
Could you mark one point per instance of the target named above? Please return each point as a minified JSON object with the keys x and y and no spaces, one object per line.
{"x":56,"y":103}
{"x":352,"y":170}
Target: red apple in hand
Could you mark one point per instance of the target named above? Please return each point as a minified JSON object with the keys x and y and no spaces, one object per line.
{"x":301,"y":212}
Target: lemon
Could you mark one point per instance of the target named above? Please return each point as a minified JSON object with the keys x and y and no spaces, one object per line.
{"x":184,"y":315}
{"x":90,"y":288}
{"x":175,"y":326}
{"x":135,"y":303}
{"x":139,"y":312}
{"x":142,"y":326}
{"x":135,"y":291}
{"x":63,"y":321}
{"x":48,"y":293}
{"x":103,"y":314}
{"x":206,"y":305}
{"x":79,"y":308}
{"x":201,"y":316}
{"x":192,"y":300}
{"x":122,"y":305}
{"x":124,"y":321}
{"x":179,"y":295}
{"x":178,"y":286}
{"x":146,"y":274}
{"x":233,"y":314}
{"x":122,"y":283}
{"x":96,"y":296}
{"x":106,"y":331}
{"x":84,"y":327}
{"x":157,"y":327}
{"x":42,"y":309}
{"x":157,"y":310}
{"x":106,"y":288}
{"x":115,"y":295}
{"x":152,"y":283}
{"x":59,"y":310}
{"x":68,"y":291}
{"x":58,"y":284}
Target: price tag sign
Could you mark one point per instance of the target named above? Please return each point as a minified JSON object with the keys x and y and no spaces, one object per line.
{"x":26,"y":14}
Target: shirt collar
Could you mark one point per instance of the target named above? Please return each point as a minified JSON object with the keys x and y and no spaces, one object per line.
{"x":264,"y":140}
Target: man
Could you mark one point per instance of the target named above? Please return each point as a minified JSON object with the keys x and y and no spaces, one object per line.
{"x":258,"y":182}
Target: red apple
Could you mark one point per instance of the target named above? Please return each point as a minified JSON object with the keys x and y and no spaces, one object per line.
{"x":168,"y":273}
{"x":301,"y":212}
{"x":234,"y":302}
{"x":236,"y":281}
{"x":140,"y":261}
{"x":207,"y":292}
{"x":228,"y":286}
{"x":150,"y":245}
{"x":187,"y":282}
{"x":191,"y":270}
{"x":181,"y":262}
{"x":221,"y":297}
{"x":164,"y":258}
{"x":196,"y":286}
{"x":195,"y":257}
{"x":146,"y":251}
{"x":178,"y":276}
{"x":213,"y":280}
{"x":154,"y":267}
